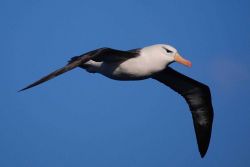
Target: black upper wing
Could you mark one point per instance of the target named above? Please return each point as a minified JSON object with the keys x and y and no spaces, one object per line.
{"x":198,"y":97}
{"x":113,"y":55}
{"x":109,"y":55}
{"x":102,"y":54}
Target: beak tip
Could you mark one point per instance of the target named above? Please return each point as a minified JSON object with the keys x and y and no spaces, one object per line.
{"x":189,"y":64}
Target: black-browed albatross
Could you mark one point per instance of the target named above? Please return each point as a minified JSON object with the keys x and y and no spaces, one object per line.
{"x":150,"y":62}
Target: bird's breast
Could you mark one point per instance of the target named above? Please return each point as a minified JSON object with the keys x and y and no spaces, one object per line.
{"x":137,"y":68}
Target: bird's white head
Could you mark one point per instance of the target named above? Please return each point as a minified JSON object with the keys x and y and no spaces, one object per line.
{"x":174,"y":56}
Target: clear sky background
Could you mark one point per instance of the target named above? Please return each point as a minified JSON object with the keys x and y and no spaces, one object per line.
{"x":82,"y":119}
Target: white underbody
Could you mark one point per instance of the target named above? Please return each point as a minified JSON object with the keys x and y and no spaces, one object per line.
{"x":151,"y":60}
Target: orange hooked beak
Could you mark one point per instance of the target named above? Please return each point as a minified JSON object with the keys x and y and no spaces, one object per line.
{"x":181,"y":60}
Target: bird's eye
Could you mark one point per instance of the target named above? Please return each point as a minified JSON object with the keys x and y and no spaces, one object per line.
{"x":167,"y":50}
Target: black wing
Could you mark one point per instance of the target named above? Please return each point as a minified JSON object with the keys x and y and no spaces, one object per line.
{"x":109,"y":55}
{"x":102,"y":54}
{"x":198,"y":97}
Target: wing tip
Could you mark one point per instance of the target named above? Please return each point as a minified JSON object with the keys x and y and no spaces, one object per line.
{"x":203,"y":143}
{"x":23,"y":89}
{"x":20,"y":90}
{"x":203,"y":134}
{"x":203,"y":153}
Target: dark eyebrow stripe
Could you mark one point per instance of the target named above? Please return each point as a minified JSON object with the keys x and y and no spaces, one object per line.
{"x":168,"y":51}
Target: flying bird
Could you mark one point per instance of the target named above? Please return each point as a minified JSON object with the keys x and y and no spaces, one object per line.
{"x":150,"y":62}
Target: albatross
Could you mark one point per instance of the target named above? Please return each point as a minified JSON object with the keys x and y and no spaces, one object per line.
{"x":150,"y":62}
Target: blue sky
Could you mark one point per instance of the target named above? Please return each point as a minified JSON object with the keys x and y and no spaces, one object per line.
{"x":81,"y":119}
